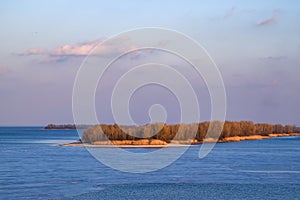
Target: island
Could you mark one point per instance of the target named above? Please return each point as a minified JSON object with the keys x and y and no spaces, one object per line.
{"x":161,"y":134}
{"x":66,"y":126}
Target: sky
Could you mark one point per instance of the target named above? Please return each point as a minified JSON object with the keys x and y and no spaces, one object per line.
{"x":255,"y":44}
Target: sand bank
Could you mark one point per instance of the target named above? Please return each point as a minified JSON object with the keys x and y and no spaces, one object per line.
{"x":154,"y":143}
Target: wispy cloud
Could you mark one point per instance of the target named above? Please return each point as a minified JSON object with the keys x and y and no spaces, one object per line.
{"x":273,"y":19}
{"x":230,"y":12}
{"x":268,"y":21}
{"x":65,"y":52}
{"x":274,"y":58}
{"x":35,"y":51}
{"x":81,"y":49}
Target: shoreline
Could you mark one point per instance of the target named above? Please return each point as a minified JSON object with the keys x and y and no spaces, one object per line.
{"x":160,"y":144}
{"x":257,"y":137}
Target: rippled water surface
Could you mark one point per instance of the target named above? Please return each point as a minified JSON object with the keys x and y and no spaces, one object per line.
{"x":33,"y":166}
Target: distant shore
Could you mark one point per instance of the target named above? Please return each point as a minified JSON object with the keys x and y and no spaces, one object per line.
{"x":148,"y":143}
{"x":66,"y":126}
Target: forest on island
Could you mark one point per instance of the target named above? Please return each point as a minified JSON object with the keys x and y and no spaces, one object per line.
{"x":191,"y":131}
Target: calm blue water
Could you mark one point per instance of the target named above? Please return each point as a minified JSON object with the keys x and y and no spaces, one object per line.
{"x":33,"y":166}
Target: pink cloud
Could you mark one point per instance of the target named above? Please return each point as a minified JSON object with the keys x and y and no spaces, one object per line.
{"x":66,"y":51}
{"x":35,"y":51}
{"x":82,"y":49}
{"x":267,"y":21}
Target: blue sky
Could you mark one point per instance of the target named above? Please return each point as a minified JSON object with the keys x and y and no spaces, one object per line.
{"x":255,"y":44}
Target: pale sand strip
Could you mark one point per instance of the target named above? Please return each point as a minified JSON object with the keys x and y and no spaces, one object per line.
{"x":257,"y":137}
{"x":241,"y":138}
{"x":145,"y":143}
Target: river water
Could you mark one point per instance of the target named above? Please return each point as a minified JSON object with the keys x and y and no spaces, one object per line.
{"x":34,"y":166}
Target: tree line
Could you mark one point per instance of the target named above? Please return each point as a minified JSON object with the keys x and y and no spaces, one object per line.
{"x":67,"y":126}
{"x":191,"y":131}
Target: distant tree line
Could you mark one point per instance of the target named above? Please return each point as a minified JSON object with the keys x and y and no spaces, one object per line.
{"x":192,"y":131}
{"x":66,"y":126}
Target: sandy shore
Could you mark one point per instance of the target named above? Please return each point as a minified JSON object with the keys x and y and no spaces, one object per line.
{"x":112,"y":145}
{"x":242,"y":138}
{"x":257,"y":137}
{"x":145,"y":143}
